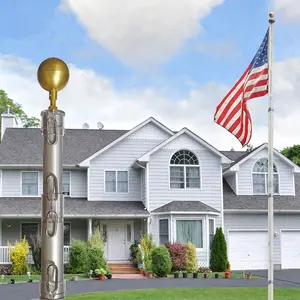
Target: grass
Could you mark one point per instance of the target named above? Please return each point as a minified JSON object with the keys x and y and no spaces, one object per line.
{"x":24,"y":278}
{"x":193,"y":294}
{"x":212,"y":275}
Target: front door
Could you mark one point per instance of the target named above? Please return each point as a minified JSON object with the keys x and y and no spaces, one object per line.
{"x":116,"y":242}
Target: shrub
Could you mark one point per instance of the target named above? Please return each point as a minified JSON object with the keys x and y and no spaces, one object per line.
{"x":96,"y":239}
{"x":36,"y":250}
{"x":18,"y":256}
{"x":191,"y":258}
{"x":218,"y":256}
{"x":134,"y":250}
{"x":96,"y":258}
{"x":178,"y":255}
{"x":78,"y":257}
{"x":147,"y":246}
{"x":161,"y":261}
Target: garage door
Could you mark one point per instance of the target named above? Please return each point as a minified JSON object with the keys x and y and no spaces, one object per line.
{"x":248,"y":250}
{"x":290,"y":249}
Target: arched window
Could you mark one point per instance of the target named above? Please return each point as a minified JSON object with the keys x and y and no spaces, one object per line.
{"x":184,"y":170}
{"x":260,"y":177}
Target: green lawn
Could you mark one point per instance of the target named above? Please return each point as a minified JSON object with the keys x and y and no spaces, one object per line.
{"x":24,"y":278}
{"x":212,"y":275}
{"x":193,"y":294}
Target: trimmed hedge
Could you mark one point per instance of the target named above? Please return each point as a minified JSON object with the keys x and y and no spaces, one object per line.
{"x":161,"y":261}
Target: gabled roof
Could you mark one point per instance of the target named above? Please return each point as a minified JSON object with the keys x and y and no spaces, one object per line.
{"x":234,"y":155}
{"x":234,"y":166}
{"x":233,"y":202}
{"x":185,"y":206}
{"x":24,"y":146}
{"x":184,"y":130}
{"x":136,"y":128}
{"x":79,"y":207}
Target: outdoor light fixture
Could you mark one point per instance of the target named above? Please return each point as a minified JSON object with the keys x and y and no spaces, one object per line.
{"x":53,"y":76}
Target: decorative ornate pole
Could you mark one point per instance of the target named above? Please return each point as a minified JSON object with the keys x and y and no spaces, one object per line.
{"x":53,"y":75}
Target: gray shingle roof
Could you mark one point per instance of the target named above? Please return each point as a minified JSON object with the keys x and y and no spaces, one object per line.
{"x":260,"y":202}
{"x":234,"y":155}
{"x":186,"y":206}
{"x":73,"y":207}
{"x":24,"y":145}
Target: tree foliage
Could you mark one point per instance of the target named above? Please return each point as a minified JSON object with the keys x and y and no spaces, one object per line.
{"x":292,"y":153}
{"x":191,"y":258}
{"x":17,"y":110}
{"x":161,"y":261}
{"x":218,"y":256}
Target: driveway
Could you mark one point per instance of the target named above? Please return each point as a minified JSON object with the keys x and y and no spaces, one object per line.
{"x":289,"y":276}
{"x":30,"y":291}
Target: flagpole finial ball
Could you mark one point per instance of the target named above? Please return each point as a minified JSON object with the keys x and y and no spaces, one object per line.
{"x":53,"y":74}
{"x":271,"y":15}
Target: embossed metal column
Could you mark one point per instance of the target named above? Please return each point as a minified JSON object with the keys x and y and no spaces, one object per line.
{"x":53,"y":75}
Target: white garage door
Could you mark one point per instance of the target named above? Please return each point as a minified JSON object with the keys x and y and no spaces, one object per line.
{"x":290,"y":249}
{"x":248,"y":250}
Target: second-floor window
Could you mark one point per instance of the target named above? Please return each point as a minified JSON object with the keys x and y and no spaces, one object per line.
{"x":66,"y":183}
{"x":260,"y":177}
{"x":116,"y":181}
{"x":184,"y":170}
{"x":30,"y":182}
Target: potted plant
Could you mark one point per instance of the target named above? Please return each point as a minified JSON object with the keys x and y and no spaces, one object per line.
{"x":141,"y":271}
{"x":227,"y":275}
{"x":184,"y":274}
{"x":228,"y":267}
{"x":205,"y":275}
{"x":176,"y":274}
{"x":217,"y":275}
{"x":249,"y":275}
{"x":195,"y":274}
{"x":108,"y":274}
{"x":100,"y":273}
{"x":150,"y":275}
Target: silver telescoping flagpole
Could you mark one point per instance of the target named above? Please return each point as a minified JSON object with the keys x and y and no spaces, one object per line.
{"x":53,"y":75}
{"x":270,"y":163}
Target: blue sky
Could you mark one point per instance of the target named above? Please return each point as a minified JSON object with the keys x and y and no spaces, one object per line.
{"x":36,"y":29}
{"x":230,"y":35}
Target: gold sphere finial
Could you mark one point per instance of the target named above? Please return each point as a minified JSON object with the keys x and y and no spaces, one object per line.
{"x":271,"y":15}
{"x":53,"y":75}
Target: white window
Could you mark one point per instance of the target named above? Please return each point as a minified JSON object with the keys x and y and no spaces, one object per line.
{"x":190,"y":231}
{"x":30,"y":182}
{"x":66,"y":183}
{"x":184,"y":170}
{"x":163,"y":231}
{"x":260,"y":177}
{"x":67,"y":234}
{"x":116,"y":181}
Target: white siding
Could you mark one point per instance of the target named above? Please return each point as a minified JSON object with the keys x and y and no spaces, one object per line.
{"x":231,"y":180}
{"x":211,"y":179}
{"x":143,"y":187}
{"x":121,"y":157}
{"x":12,"y":180}
{"x":260,"y":221}
{"x":286,"y":181}
{"x":11,"y":183}
{"x":79,"y":184}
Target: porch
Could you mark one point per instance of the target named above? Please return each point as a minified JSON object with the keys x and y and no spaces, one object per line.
{"x":118,"y":235}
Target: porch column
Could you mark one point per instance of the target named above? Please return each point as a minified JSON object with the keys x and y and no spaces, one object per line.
{"x":90,"y":229}
{"x":0,"y":232}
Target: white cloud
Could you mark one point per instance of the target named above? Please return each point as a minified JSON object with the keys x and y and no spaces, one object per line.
{"x":144,"y":32}
{"x":91,"y":98}
{"x":288,"y":9}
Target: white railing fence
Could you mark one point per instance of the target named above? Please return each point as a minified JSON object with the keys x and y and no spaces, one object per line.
{"x":5,"y":258}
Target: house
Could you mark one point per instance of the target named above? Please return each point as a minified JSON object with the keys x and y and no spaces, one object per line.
{"x":173,"y":185}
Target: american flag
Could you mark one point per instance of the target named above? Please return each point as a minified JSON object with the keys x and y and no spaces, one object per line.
{"x":232,"y":112}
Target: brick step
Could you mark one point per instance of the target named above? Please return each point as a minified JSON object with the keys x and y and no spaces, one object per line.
{"x":123,"y":269}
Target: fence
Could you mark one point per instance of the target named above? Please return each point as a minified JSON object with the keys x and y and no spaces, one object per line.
{"x":5,"y":258}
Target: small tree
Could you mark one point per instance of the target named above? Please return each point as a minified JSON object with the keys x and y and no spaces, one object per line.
{"x":218,"y":256}
{"x":18,"y":256}
{"x":191,"y":258}
{"x":147,"y":246}
{"x":161,"y":261}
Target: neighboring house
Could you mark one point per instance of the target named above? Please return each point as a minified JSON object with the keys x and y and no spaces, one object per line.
{"x":173,"y":185}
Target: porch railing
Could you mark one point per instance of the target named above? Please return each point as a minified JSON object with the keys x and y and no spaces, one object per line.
{"x":5,"y":257}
